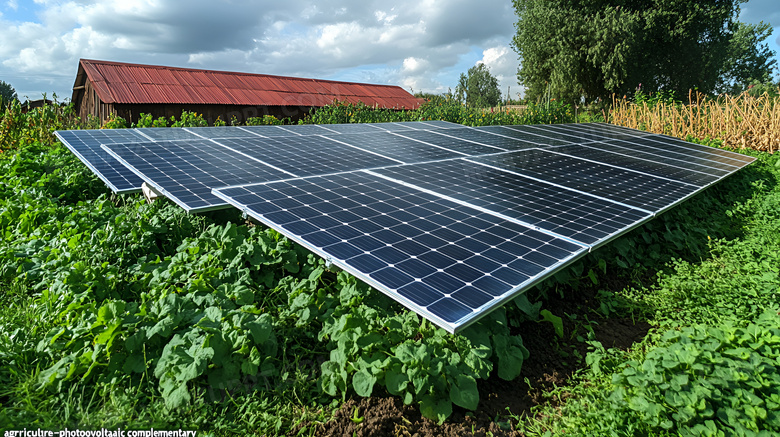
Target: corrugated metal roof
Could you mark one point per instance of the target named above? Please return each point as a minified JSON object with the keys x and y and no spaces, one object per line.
{"x":117,"y":82}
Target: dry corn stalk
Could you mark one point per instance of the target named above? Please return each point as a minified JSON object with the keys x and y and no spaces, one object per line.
{"x":741,"y":121}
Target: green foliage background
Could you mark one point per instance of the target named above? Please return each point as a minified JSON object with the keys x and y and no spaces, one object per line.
{"x":592,"y":49}
{"x":478,"y":88}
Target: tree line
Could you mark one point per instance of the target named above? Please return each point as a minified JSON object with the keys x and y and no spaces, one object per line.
{"x":581,"y":51}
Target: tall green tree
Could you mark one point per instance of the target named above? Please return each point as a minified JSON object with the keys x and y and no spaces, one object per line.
{"x":748,"y":60}
{"x":7,"y":93}
{"x":478,"y":87}
{"x":593,"y":48}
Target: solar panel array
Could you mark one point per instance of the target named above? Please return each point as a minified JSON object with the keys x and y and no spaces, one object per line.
{"x":450,"y":221}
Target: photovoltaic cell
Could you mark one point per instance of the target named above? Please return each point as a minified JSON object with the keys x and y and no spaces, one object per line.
{"x":268,"y":131}
{"x":555,"y":134}
{"x":598,"y":152}
{"x":677,"y":146}
{"x":167,"y":133}
{"x":568,"y":213}
{"x":644,"y":153}
{"x":185,"y":171}
{"x":440,"y":139}
{"x":394,"y":126}
{"x":489,"y":139}
{"x":602,"y":130}
{"x":308,"y":129}
{"x":441,"y":124}
{"x":448,"y":262}
{"x":214,"y":132}
{"x":531,"y":140}
{"x":307,"y":155}
{"x":570,"y":133}
{"x":397,"y":147}
{"x":612,"y":183}
{"x":85,"y":144}
{"x":354,"y":128}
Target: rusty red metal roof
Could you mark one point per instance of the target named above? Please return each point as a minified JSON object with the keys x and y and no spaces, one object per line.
{"x":117,"y":82}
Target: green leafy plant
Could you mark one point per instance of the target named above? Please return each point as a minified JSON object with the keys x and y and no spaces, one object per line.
{"x":705,"y":380}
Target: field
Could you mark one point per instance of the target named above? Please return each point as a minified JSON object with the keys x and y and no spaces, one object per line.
{"x":118,"y":313}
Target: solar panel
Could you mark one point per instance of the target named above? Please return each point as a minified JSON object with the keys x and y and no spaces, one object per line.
{"x":488,"y":138}
{"x":613,"y":183}
{"x":166,"y":133}
{"x":394,"y":126}
{"x":354,"y":128}
{"x":676,"y":147}
{"x":450,"y":221}
{"x":441,"y":139}
{"x":448,"y":262}
{"x":602,"y":130}
{"x":570,"y":214}
{"x":441,"y":124}
{"x":213,"y":132}
{"x":185,"y":171}
{"x":310,"y":155}
{"x":570,"y":133}
{"x":85,"y":144}
{"x":268,"y":131}
{"x":682,"y":172}
{"x":395,"y":146}
{"x":531,"y":140}
{"x":308,"y":129}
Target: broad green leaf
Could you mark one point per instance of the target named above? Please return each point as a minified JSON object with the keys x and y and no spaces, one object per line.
{"x":177,"y":397}
{"x":511,"y":354}
{"x":435,"y":408}
{"x":525,"y":305}
{"x":464,"y":393}
{"x":333,"y":379}
{"x":363,"y":383}
{"x":395,"y":382}
{"x":260,"y":328}
{"x":556,"y":321}
{"x":134,"y":363}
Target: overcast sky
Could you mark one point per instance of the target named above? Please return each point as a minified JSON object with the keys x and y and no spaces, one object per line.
{"x":421,"y":45}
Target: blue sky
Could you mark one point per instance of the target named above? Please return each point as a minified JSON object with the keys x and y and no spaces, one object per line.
{"x":421,"y":45}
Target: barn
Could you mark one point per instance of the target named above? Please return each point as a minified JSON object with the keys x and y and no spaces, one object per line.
{"x":104,"y":88}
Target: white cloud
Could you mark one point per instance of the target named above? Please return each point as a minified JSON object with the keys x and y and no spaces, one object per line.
{"x":410,"y":43}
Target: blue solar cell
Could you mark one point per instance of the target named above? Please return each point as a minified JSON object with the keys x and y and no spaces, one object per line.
{"x":167,"y":133}
{"x":612,"y":183}
{"x":396,"y":147}
{"x":307,"y":155}
{"x":448,"y":281}
{"x":85,"y":144}
{"x":185,"y":171}
{"x":568,"y":213}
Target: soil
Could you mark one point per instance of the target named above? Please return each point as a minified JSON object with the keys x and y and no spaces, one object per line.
{"x":551,"y":364}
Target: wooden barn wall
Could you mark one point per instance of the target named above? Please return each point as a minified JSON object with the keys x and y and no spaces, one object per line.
{"x":90,"y":105}
{"x":210,"y":113}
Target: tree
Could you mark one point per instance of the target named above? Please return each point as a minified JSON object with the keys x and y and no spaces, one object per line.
{"x":748,"y":61}
{"x":7,"y":93}
{"x":478,"y":87}
{"x":593,"y":48}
